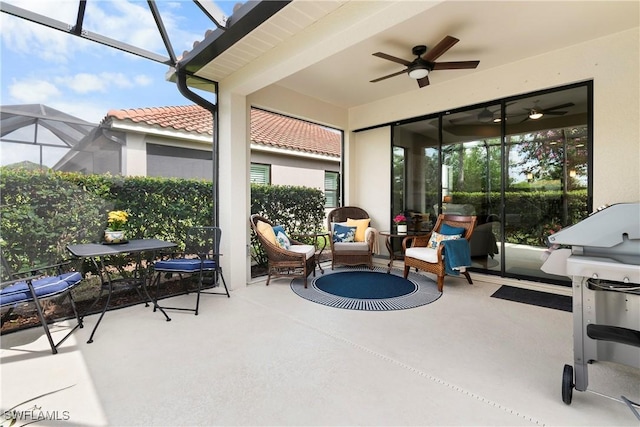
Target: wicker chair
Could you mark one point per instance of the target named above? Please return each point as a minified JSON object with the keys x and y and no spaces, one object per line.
{"x":437,"y":267}
{"x":352,"y":253}
{"x":299,"y":261}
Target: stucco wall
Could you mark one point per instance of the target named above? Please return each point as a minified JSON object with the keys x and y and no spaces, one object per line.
{"x":611,"y":62}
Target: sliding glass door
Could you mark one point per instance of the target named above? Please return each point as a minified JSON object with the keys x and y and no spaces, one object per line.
{"x":521,"y":165}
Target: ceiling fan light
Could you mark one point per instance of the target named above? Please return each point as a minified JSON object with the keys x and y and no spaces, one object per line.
{"x":497,"y":120}
{"x":418,"y":72}
{"x":535,"y":114}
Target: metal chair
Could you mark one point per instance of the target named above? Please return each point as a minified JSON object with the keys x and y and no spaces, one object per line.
{"x":37,"y":285}
{"x":201,"y":258}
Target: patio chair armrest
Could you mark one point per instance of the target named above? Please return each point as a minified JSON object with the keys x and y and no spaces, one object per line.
{"x":34,"y":271}
{"x":21,"y":279}
{"x":416,"y":241}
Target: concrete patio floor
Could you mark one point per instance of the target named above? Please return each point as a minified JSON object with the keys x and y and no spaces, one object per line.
{"x":268,"y":357}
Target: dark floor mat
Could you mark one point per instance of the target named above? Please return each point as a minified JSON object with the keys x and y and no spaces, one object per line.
{"x":528,"y":296}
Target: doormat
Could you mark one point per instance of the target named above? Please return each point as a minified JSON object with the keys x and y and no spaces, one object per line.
{"x":528,"y":296}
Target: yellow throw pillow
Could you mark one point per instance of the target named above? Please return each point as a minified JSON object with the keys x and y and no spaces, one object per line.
{"x":267,"y":231}
{"x":361,"y":224}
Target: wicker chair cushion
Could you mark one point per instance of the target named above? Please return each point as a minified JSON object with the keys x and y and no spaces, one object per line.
{"x":283,"y":241}
{"x":361,"y":225}
{"x":422,"y":254}
{"x":343,"y":233}
{"x":308,"y":250}
{"x":266,"y":231}
{"x":351,"y":247}
{"x":436,"y":238}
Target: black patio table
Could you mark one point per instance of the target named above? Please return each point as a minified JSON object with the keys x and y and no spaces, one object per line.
{"x":97,"y":252}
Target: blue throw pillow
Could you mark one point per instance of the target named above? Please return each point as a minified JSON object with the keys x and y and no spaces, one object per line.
{"x":343,"y":233}
{"x":279,"y":229}
{"x":448,"y":230}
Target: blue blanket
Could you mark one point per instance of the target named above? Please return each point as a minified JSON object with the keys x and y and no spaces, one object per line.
{"x":456,"y":254}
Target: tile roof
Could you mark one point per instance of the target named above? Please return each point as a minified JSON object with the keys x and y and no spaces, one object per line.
{"x":268,"y":129}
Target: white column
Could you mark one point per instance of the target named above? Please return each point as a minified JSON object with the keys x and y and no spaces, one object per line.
{"x":234,"y":187}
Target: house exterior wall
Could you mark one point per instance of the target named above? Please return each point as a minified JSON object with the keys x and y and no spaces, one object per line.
{"x":614,"y":71}
{"x":290,"y":170}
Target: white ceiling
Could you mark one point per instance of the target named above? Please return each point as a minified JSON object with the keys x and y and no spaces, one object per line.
{"x":323,"y":49}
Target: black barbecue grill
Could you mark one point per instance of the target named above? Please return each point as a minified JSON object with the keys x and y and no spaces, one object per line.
{"x":604,"y":265}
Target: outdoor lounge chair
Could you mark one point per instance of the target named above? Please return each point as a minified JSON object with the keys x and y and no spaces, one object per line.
{"x":419,"y":255}
{"x":201,"y":258}
{"x":298,"y":260}
{"x":36,"y":286}
{"x":356,"y":251}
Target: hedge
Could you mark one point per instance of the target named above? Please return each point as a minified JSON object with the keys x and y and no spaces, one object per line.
{"x":43,"y":211}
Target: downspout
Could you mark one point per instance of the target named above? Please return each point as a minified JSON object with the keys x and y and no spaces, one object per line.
{"x":213,"y":109}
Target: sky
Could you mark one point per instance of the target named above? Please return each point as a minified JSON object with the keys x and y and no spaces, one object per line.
{"x":41,"y":65}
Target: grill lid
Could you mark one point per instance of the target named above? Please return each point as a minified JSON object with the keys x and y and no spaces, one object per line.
{"x":605,"y":228}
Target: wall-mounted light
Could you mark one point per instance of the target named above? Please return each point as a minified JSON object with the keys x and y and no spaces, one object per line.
{"x":535,"y":114}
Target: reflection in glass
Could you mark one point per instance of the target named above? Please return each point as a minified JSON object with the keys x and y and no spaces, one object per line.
{"x":521,"y":166}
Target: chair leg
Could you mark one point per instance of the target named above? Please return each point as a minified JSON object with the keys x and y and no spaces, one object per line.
{"x":216,"y":280}
{"x":440,"y":283}
{"x":406,"y":271}
{"x":466,"y":274}
{"x":157,"y":281}
{"x":43,"y":321}
{"x":224,"y":282}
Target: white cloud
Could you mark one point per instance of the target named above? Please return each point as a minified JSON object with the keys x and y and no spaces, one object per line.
{"x":33,"y":91}
{"x":84,"y":83}
{"x":142,"y":80}
{"x":28,"y":38}
{"x":86,"y":109}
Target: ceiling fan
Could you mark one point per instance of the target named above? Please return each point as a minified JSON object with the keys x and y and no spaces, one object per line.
{"x":484,"y":116}
{"x":536,"y":111}
{"x":420,"y":67}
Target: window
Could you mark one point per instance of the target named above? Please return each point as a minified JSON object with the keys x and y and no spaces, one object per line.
{"x":523,"y":175}
{"x":260,"y":174}
{"x":331,"y":186}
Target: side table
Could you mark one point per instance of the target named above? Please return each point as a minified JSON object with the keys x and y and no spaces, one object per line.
{"x":389,"y":235}
{"x":315,"y":236}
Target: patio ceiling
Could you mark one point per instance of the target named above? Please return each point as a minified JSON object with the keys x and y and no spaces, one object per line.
{"x":323,"y":49}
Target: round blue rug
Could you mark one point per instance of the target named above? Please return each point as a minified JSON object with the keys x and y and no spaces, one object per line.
{"x":360,"y":288}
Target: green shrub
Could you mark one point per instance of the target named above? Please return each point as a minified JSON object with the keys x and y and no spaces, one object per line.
{"x":43,"y":211}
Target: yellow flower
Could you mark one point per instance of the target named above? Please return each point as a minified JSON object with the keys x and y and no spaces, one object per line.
{"x":117,"y":220}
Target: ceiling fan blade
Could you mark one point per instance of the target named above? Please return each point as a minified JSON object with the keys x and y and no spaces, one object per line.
{"x":456,"y":65}
{"x":388,"y":76}
{"x":555,"y":113}
{"x":423,"y":81}
{"x":444,"y":45}
{"x":557,"y":107}
{"x":392,"y":58}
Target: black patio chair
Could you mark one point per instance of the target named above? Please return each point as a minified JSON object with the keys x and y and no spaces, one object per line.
{"x":36,"y":286}
{"x":201,"y":258}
